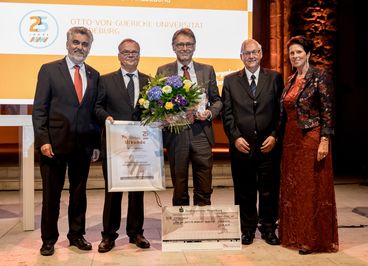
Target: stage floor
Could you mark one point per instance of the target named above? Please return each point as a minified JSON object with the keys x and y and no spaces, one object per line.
{"x":22,"y":248}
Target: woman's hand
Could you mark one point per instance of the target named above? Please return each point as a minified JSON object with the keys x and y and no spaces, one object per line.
{"x":323,"y":148}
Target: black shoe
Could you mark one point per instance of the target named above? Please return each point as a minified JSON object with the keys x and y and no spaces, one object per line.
{"x":47,"y":248}
{"x":270,"y":238}
{"x":304,"y":252}
{"x":247,"y":238}
{"x":140,"y":241}
{"x":106,"y":245}
{"x":80,"y":243}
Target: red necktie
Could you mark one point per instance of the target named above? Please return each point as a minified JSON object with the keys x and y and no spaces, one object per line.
{"x":186,"y":72}
{"x":78,"y":83}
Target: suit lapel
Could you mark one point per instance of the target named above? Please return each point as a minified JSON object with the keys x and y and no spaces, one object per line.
{"x":200,"y":75}
{"x":119,"y":81}
{"x":172,"y":69}
{"x":89,"y":82}
{"x":288,"y":85}
{"x":262,"y":77}
{"x":243,"y":80}
{"x":306,"y":81}
{"x":120,"y":86}
{"x":68,"y":80}
{"x":142,"y":81}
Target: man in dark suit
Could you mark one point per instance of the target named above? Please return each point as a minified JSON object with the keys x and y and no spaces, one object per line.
{"x":195,"y":143}
{"x":251,"y":100}
{"x":65,"y":136}
{"x":114,"y":101}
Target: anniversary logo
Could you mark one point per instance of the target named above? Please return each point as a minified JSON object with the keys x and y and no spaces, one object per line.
{"x":38,"y":29}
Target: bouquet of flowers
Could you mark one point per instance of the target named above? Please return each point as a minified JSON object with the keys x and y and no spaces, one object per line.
{"x":170,"y":102}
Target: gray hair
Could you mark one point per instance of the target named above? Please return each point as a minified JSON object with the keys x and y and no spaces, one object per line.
{"x":129,"y":40}
{"x":80,"y":30}
{"x":250,"y":41}
{"x":184,"y":31}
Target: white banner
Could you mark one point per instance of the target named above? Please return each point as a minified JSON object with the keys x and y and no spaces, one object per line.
{"x":41,"y":28}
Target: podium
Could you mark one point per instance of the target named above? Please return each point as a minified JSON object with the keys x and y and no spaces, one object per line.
{"x":26,"y":160}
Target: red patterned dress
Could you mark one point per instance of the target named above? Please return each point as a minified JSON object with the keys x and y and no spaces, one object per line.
{"x":307,"y":200}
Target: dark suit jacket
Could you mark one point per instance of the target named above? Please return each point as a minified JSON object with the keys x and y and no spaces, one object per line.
{"x":58,"y":118}
{"x":206,"y":78}
{"x":113,"y":100}
{"x":245,"y":114}
{"x":315,"y":101}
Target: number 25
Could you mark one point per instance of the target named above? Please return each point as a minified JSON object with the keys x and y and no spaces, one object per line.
{"x":39,"y":24}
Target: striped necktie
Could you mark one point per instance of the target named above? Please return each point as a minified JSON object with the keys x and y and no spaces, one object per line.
{"x":130,"y":88}
{"x":253,"y":85}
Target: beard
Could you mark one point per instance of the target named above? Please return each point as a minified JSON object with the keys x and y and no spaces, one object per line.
{"x":77,"y":56}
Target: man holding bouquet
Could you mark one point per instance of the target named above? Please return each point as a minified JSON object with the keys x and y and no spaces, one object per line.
{"x":117,"y":97}
{"x":193,"y":144}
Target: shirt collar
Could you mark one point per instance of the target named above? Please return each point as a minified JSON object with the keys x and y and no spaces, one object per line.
{"x":71,"y":65}
{"x":124,"y":72}
{"x":190,"y":65}
{"x":249,"y":74}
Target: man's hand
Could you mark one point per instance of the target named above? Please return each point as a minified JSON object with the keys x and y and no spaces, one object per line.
{"x":110,"y":119}
{"x":206,"y":114}
{"x":242,"y":145}
{"x":95,"y":155}
{"x":46,"y":150}
{"x":268,"y":144}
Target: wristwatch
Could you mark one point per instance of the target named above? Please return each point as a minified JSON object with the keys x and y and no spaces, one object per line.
{"x":324,"y":138}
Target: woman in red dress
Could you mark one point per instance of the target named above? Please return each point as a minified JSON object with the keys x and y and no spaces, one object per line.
{"x":308,"y":219}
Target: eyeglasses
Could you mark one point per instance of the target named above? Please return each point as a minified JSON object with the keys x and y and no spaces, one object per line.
{"x":128,"y":53}
{"x":248,"y":53}
{"x":181,"y":45}
{"x":77,"y":43}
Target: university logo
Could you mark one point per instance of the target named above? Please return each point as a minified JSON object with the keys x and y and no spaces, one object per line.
{"x":38,"y":29}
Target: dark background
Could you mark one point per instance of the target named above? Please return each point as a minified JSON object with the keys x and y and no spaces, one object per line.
{"x":349,"y":145}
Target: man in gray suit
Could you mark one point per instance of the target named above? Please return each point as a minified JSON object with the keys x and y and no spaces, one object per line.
{"x":251,"y":98}
{"x":117,"y":97}
{"x":195,"y":143}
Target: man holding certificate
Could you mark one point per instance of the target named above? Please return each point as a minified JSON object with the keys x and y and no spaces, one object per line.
{"x":117,"y":98}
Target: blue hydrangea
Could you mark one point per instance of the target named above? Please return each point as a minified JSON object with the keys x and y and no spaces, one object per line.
{"x":174,"y":81}
{"x":154,"y":94}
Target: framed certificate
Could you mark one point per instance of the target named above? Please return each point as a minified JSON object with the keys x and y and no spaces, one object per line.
{"x":135,"y":160}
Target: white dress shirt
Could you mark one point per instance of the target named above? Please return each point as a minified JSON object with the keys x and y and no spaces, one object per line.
{"x":135,"y":80}
{"x":82,"y":72}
